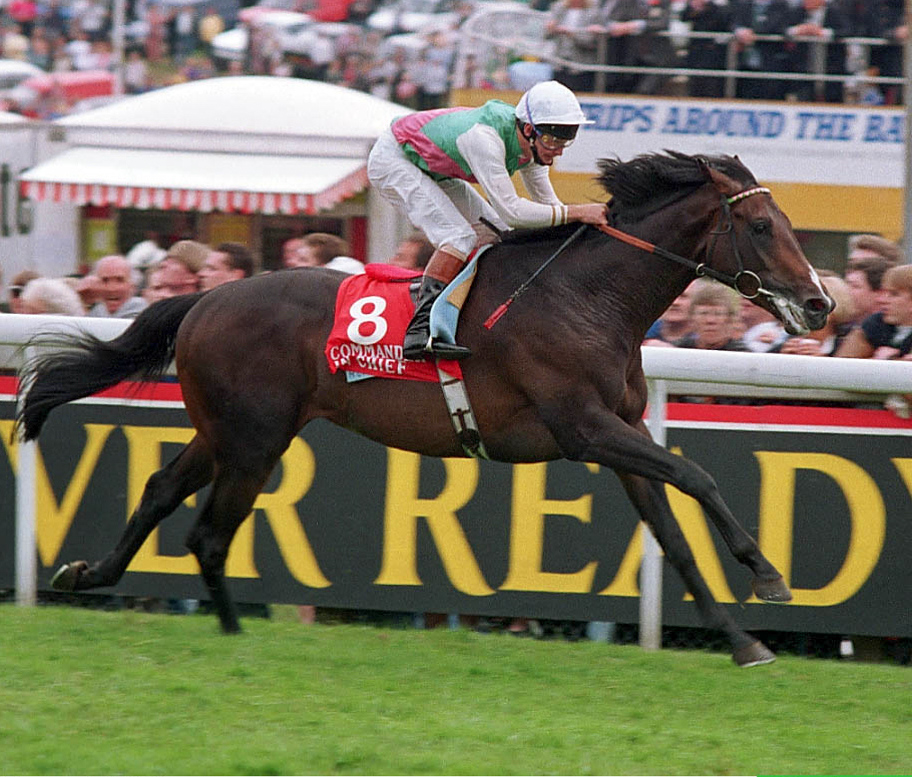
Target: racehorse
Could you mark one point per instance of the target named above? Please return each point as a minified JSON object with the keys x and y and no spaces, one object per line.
{"x":558,"y":376}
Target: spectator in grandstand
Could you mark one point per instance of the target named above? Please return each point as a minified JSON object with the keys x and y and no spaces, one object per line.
{"x":751,"y":18}
{"x":14,"y":291}
{"x":706,"y":53}
{"x":183,"y":32}
{"x":290,"y":251}
{"x":631,"y":27}
{"x":433,"y":76}
{"x":155,"y":287}
{"x":225,"y":263}
{"x":886,"y":334}
{"x":870,"y":256}
{"x":89,"y":290}
{"x":135,"y":73}
{"x":569,"y":25}
{"x":117,"y":289}
{"x":146,"y":252}
{"x":760,"y":329}
{"x":414,"y":252}
{"x":886,"y":19}
{"x":182,"y":264}
{"x":828,"y":23}
{"x":826,"y":341}
{"x":714,"y":318}
{"x":51,"y":296}
{"x":210,"y":25}
{"x":321,"y":249}
{"x":674,"y":323}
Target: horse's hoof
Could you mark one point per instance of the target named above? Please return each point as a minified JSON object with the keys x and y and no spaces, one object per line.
{"x":66,"y":577}
{"x":771,"y":590}
{"x":754,"y":654}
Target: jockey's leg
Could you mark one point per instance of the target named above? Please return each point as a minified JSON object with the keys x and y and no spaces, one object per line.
{"x":476,"y":210}
{"x":444,"y":265}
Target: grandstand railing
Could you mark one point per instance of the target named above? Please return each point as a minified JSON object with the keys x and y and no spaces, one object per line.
{"x":500,"y":34}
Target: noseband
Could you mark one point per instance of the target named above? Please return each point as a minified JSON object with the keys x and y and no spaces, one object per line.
{"x":746,"y":282}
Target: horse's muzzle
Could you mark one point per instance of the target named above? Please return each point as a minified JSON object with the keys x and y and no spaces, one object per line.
{"x":816,"y":310}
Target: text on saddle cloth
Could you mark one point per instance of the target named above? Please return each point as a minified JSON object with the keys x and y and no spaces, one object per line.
{"x":372,"y":312}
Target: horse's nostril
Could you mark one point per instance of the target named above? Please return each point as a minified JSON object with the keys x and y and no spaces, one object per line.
{"x":819,"y":305}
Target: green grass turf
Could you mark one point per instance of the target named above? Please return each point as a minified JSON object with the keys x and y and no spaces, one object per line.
{"x":88,"y":692}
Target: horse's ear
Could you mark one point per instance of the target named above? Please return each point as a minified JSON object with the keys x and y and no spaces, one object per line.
{"x":703,"y":164}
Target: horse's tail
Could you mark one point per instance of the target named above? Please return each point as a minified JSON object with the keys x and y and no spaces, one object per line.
{"x":86,"y":364}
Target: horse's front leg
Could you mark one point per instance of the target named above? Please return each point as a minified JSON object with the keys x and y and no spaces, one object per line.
{"x":648,"y":496}
{"x":164,"y":491}
{"x":590,"y":432}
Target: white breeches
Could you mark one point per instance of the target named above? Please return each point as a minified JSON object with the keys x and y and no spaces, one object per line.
{"x":444,"y":211}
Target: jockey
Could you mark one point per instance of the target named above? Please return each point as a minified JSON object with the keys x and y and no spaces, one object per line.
{"x":425,"y":162}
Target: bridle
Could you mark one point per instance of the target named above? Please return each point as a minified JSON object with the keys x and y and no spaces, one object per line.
{"x":746,"y":282}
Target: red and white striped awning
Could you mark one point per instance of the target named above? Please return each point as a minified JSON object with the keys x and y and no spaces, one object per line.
{"x":195,"y":180}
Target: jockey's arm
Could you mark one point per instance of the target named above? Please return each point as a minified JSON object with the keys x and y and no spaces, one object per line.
{"x":485,"y":153}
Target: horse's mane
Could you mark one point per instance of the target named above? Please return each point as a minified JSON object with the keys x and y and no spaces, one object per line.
{"x":645,"y":184}
{"x":649,"y":182}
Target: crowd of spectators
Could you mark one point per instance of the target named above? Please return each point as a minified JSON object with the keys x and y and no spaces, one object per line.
{"x":630,"y":37}
{"x":872,"y":318}
{"x":170,"y":43}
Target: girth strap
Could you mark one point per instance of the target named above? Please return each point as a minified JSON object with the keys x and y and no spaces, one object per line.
{"x":460,"y":410}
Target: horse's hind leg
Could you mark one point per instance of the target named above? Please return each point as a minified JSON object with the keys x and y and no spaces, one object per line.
{"x":234,"y":491}
{"x":186,"y":474}
{"x":648,"y":496}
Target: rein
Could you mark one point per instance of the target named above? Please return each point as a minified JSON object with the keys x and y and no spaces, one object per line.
{"x":739,"y":280}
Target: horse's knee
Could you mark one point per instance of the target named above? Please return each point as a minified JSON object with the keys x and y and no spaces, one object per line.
{"x":210,"y":552}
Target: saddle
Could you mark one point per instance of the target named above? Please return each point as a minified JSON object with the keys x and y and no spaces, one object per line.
{"x":372,"y":312}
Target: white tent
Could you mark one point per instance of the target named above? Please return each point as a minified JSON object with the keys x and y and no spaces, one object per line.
{"x":245,"y":144}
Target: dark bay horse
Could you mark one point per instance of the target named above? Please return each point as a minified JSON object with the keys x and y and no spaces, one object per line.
{"x":558,"y":376}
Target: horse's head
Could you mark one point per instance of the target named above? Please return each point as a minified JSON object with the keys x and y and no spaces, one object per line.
{"x":732,"y":229}
{"x":754,"y":246}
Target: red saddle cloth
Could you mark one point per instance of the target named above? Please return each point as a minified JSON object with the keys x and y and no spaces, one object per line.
{"x":373,"y":310}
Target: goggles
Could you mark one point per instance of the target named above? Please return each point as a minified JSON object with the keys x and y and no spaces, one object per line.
{"x":550,"y":141}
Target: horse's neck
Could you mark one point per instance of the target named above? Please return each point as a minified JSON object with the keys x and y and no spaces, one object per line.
{"x":642,"y":284}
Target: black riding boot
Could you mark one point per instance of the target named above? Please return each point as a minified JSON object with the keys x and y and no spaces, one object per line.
{"x":417,"y":344}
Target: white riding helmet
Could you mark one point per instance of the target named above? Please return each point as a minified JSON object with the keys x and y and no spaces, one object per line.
{"x":550,"y":102}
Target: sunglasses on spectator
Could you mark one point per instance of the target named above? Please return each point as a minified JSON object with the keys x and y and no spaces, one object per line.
{"x":15,"y":291}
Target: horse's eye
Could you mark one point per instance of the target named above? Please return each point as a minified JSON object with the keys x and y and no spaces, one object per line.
{"x":761,"y":227}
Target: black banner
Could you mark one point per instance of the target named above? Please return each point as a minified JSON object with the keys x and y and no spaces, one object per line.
{"x":345,"y":522}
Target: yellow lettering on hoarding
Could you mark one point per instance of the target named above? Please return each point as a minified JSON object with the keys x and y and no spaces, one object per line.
{"x":10,"y":444}
{"x":866,"y":513}
{"x":144,"y":445}
{"x":53,"y":521}
{"x":402,"y":509}
{"x":298,"y":470}
{"x":527,"y":534}
{"x":690,"y":518}
{"x":625,"y":582}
